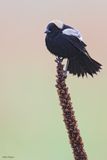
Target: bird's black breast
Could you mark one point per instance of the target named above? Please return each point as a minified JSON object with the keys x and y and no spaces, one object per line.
{"x":59,"y":46}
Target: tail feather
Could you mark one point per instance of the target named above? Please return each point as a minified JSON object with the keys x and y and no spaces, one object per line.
{"x":82,"y":64}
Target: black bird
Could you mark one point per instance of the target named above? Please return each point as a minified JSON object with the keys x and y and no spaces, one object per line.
{"x":66,"y":42}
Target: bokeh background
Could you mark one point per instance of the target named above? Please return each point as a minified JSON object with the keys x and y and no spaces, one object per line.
{"x":31,"y":121}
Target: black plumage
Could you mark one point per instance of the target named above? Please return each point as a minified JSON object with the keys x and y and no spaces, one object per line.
{"x":66,"y":42}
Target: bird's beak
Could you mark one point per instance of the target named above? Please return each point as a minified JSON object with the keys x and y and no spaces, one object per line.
{"x":47,"y":31}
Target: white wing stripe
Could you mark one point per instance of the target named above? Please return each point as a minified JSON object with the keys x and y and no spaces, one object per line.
{"x":73,"y":32}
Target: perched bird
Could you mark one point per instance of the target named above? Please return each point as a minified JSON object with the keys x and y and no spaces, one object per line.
{"x":64,"y":41}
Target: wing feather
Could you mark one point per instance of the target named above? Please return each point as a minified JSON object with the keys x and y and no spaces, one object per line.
{"x":78,"y":44}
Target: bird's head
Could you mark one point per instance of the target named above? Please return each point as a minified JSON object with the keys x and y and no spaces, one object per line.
{"x":54,"y":26}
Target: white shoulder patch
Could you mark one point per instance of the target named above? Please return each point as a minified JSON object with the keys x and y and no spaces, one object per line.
{"x":72,"y":32}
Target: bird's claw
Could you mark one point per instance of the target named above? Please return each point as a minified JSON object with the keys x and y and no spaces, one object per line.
{"x":59,"y":59}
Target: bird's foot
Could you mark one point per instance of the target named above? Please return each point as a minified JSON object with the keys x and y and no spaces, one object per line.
{"x":59,"y":59}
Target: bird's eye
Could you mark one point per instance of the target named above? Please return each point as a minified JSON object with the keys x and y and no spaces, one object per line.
{"x":51,"y":26}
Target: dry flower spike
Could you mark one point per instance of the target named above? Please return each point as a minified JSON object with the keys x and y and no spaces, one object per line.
{"x":68,"y":113}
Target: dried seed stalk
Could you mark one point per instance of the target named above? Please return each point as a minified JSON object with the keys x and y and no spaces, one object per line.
{"x":68,"y":114}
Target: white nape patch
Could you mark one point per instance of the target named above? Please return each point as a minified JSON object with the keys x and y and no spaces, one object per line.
{"x":58,"y":23}
{"x":72,"y":32}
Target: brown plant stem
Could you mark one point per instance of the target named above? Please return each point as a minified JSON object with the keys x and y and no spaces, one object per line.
{"x":68,"y":114}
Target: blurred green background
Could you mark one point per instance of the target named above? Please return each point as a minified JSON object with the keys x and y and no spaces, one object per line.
{"x":31,"y":121}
